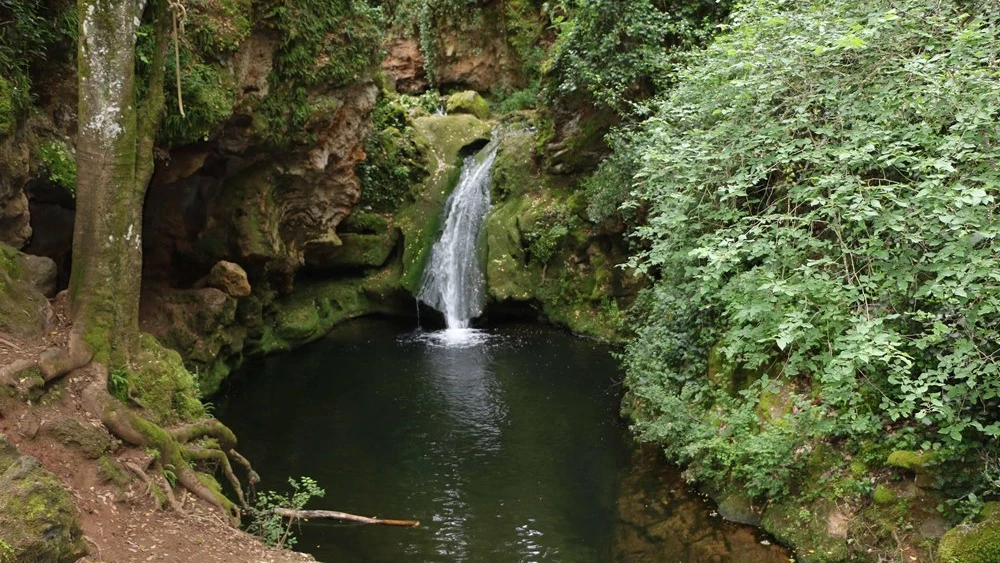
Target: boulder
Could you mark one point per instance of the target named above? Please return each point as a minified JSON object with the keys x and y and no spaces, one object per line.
{"x":977,"y":542}
{"x":93,"y":442}
{"x":230,"y":277}
{"x":469,"y":102}
{"x":41,"y":273}
{"x":39,"y":523}
{"x":24,"y":311}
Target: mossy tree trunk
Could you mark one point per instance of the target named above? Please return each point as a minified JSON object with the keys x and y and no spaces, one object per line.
{"x":114,"y":165}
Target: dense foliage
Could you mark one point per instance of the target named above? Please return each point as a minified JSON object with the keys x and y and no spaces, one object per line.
{"x":30,"y":31}
{"x":820,"y":199}
{"x":615,"y":49}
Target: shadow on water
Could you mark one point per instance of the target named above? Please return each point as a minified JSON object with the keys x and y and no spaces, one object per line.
{"x":507,"y":448}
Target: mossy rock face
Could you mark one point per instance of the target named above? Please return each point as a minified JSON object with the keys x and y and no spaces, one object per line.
{"x":316,"y":307}
{"x":469,"y":102}
{"x":912,"y":461}
{"x":364,"y":251}
{"x":973,"y":543}
{"x":542,"y":253}
{"x":24,"y":311}
{"x":817,"y":530}
{"x":37,"y":518}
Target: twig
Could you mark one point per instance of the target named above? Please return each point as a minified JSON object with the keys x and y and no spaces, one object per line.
{"x":334,"y":515}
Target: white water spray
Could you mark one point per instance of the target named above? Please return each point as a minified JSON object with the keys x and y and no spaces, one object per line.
{"x":453,"y":281}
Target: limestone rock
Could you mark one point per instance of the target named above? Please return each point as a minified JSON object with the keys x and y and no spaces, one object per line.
{"x":404,"y":64}
{"x":230,"y":278}
{"x":41,"y":273}
{"x":37,"y":518}
{"x":469,"y":102}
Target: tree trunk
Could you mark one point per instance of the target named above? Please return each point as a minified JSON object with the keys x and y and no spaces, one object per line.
{"x":114,"y":162}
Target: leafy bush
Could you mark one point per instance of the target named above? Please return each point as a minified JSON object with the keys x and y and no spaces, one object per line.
{"x":271,"y":528}
{"x":613,"y":49}
{"x":821,"y":193}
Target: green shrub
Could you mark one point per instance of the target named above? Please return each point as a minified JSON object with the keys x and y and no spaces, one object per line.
{"x":820,"y":193}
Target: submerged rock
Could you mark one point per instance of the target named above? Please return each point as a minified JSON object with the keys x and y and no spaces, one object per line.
{"x":37,"y":519}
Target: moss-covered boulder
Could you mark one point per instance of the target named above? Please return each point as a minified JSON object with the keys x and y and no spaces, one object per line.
{"x":24,"y":311}
{"x":977,"y":542}
{"x":920,"y":463}
{"x":38,"y":522}
{"x":469,"y":102}
{"x":92,"y":441}
{"x":818,"y":530}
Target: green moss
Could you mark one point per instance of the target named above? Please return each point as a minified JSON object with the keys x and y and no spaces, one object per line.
{"x":469,"y":102}
{"x":396,"y":158}
{"x":208,"y":93}
{"x":913,"y":461}
{"x":59,"y":164}
{"x":23,"y":311}
{"x":110,"y":471}
{"x":883,"y":494}
{"x":37,"y":517}
{"x":973,"y":543}
{"x":163,"y":386}
{"x":364,"y":224}
{"x":298,"y":321}
{"x":364,"y":251}
{"x":218,"y":27}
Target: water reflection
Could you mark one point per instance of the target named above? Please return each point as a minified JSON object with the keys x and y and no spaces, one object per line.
{"x":509,"y":451}
{"x":467,"y":393}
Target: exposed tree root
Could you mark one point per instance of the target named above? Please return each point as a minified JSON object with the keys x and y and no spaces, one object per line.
{"x":205,"y":440}
{"x":174,"y":452}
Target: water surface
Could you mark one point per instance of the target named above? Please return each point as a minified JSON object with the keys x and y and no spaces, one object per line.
{"x":508,"y":448}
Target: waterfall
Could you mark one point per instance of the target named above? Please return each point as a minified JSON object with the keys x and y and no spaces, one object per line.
{"x":453,"y":281}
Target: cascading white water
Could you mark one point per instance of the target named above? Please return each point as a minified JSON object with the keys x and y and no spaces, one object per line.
{"x":453,"y":281}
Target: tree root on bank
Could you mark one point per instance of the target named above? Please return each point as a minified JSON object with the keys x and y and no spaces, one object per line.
{"x":204,"y":440}
{"x":172,"y":444}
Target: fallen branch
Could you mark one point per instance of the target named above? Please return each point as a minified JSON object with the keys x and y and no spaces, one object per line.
{"x":334,"y":515}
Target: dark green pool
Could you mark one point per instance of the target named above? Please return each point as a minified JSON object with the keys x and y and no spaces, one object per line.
{"x":507,"y":450}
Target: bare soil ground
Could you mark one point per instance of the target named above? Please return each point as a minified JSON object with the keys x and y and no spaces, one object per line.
{"x":121,"y":524}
